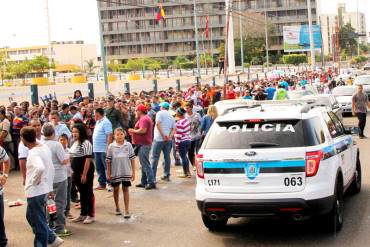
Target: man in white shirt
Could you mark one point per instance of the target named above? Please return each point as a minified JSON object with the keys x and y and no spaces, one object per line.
{"x":38,"y":184}
{"x":4,"y":161}
{"x":23,"y":150}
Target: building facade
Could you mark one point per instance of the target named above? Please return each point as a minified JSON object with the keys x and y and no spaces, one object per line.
{"x":329,"y":22}
{"x":130,"y":29}
{"x":74,"y":53}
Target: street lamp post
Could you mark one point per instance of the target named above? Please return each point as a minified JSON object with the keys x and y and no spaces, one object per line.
{"x":196,"y":36}
{"x":102,"y":50}
{"x":241,"y":37}
{"x":50,"y":49}
{"x":266,"y":37}
{"x":312,"y":44}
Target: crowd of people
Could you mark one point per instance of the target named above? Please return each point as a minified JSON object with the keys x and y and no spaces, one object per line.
{"x":58,"y":147}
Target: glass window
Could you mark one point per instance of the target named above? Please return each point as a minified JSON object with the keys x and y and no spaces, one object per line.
{"x":338,"y":124}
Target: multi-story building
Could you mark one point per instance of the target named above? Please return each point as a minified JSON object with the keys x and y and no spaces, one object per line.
{"x":130,"y":29}
{"x":74,"y":53}
{"x":329,"y":22}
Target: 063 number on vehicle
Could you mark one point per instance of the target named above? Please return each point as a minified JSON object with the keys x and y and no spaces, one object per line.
{"x":293,"y":181}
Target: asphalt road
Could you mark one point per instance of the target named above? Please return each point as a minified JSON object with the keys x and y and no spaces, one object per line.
{"x":169,"y":217}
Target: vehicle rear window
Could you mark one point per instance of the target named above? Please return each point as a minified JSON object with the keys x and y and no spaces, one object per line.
{"x":264,"y":134}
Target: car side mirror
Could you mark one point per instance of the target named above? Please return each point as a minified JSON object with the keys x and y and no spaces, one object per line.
{"x":351,"y":130}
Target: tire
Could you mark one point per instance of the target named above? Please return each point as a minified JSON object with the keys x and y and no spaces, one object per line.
{"x":214,"y":225}
{"x":334,"y":219}
{"x":355,"y":186}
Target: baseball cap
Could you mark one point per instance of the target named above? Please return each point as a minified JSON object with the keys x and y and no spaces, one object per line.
{"x":165,"y":105}
{"x":141,"y":108}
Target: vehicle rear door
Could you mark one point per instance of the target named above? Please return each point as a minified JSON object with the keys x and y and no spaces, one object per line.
{"x":255,"y":156}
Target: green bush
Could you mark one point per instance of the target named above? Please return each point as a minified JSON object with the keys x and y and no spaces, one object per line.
{"x":188,"y":65}
{"x":358,"y":60}
{"x":294,"y":59}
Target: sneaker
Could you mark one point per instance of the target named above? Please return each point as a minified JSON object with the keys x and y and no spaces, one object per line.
{"x":118,"y":212}
{"x":64,"y":233}
{"x":89,"y":220}
{"x":165,"y":178}
{"x":188,"y":176}
{"x":57,"y":242}
{"x":127,"y":215}
{"x":140,"y":186}
{"x":79,"y":219}
{"x":100,"y":187}
{"x":109,"y":188}
{"x":182,"y":176}
{"x":150,"y":186}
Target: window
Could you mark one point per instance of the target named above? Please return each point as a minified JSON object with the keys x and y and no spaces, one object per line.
{"x":338,"y":124}
{"x":264,"y":134}
{"x":335,"y":127}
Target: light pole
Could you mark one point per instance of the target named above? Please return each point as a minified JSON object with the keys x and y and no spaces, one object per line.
{"x":102,"y":50}
{"x":312,"y":44}
{"x":196,"y":36}
{"x":241,"y":37}
{"x":50,"y":48}
{"x":266,"y":37}
{"x":358,"y":32}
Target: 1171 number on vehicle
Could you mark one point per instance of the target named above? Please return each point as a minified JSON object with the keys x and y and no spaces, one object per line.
{"x":293,"y":181}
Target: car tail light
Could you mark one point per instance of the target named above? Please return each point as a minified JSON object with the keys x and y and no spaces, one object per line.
{"x":253,"y":120}
{"x":199,"y":165}
{"x":313,"y":162}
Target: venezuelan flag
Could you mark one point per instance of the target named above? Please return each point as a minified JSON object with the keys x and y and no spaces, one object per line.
{"x":161,"y":13}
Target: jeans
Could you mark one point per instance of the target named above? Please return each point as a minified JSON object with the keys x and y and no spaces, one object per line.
{"x":36,"y":217}
{"x":176,"y":159}
{"x":361,"y":122}
{"x":87,"y":198}
{"x":183,"y":151}
{"x":60,"y":190}
{"x":68,"y":202}
{"x":146,"y":170}
{"x":3,"y":239}
{"x":16,"y":139}
{"x":166,"y":147}
{"x":193,"y":150}
{"x":101,"y":167}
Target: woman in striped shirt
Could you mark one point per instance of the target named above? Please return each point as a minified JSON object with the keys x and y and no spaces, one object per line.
{"x":83,"y":173}
{"x":183,"y":140}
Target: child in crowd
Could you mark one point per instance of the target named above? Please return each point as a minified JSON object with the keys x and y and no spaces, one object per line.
{"x":121,"y":168}
{"x":63,"y":139}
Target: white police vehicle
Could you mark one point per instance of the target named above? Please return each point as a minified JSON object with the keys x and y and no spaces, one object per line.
{"x":276,"y":159}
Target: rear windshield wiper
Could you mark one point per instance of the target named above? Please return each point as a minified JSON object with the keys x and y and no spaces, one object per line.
{"x":263,"y":144}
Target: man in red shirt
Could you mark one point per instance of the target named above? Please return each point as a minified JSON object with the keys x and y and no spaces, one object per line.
{"x":230,"y":94}
{"x":142,"y":138}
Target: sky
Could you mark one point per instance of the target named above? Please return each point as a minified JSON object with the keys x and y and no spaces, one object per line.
{"x":24,"y":22}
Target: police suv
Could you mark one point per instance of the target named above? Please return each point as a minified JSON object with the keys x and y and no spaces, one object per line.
{"x":276,"y":159}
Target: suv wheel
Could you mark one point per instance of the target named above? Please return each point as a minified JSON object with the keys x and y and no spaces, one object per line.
{"x":214,"y":225}
{"x":334,"y":219}
{"x":355,"y":186}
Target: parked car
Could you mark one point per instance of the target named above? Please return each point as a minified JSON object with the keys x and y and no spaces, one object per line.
{"x":362,"y":79}
{"x":367,"y":66}
{"x":327,"y":100}
{"x":343,"y":94}
{"x":298,"y":94}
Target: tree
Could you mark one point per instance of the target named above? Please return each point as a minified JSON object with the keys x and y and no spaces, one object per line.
{"x":19,"y":70}
{"x":3,"y":58}
{"x":90,"y":65}
{"x":348,"y":41}
{"x":40,"y":64}
{"x":179,"y":62}
{"x":134,"y":64}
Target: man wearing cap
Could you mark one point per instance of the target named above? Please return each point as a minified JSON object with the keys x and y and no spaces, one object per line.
{"x":114,"y":115}
{"x":163,"y":132}
{"x":142,"y":139}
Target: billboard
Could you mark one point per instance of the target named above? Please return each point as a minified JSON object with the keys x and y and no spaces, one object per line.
{"x":297,"y":38}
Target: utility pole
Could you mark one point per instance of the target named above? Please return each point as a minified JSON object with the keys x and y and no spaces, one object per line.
{"x":241,"y":37}
{"x":230,"y":37}
{"x":358,"y":32}
{"x":266,"y":37}
{"x":50,"y":49}
{"x":102,"y":51}
{"x":196,"y":36}
{"x":312,"y":44}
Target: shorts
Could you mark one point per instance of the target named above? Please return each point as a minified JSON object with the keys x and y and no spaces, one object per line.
{"x":124,"y":184}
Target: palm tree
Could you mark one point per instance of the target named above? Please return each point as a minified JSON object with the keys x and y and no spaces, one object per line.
{"x":90,"y":65}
